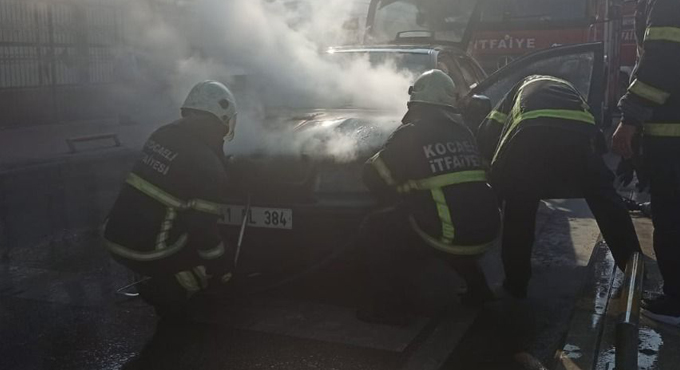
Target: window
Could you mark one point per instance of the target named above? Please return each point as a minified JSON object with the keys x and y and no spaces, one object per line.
{"x":446,"y":63}
{"x":575,"y":68}
{"x":497,"y":11}
{"x":448,"y":19}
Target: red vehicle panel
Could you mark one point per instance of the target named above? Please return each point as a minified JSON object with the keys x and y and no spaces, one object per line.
{"x":495,"y":32}
{"x":512,"y":44}
{"x":513,"y":28}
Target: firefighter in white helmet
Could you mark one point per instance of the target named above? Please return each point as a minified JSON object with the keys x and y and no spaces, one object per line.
{"x":164,"y":223}
{"x":435,"y":201}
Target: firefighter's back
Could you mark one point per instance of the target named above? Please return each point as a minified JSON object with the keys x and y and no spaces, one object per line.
{"x":147,"y":217}
{"x":546,"y":141}
{"x":448,"y":196}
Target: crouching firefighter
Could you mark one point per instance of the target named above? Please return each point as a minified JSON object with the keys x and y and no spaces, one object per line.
{"x":540,"y":140}
{"x":163,"y":225}
{"x":431,"y":184}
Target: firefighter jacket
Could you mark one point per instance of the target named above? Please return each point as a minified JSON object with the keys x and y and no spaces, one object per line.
{"x":536,"y":101}
{"x":165,"y":218}
{"x":431,"y":164}
{"x":653,"y":97}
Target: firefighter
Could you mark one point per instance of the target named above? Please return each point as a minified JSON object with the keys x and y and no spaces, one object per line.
{"x":434,"y":197}
{"x":651,"y":107}
{"x":163,"y":226}
{"x":539,"y":141}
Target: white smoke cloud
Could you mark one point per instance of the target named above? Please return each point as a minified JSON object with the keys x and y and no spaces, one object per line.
{"x":270,"y":53}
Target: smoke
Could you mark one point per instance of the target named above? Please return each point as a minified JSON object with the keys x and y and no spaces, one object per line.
{"x":273,"y":57}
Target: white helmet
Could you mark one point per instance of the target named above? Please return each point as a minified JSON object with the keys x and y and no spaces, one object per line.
{"x":434,"y":87}
{"x":215,"y":98}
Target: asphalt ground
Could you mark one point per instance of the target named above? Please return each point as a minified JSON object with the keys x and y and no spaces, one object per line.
{"x":525,"y":334}
{"x":659,"y":344}
{"x":59,"y":310}
{"x":23,"y":146}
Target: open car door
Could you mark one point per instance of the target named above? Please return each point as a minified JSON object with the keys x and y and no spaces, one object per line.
{"x":582,"y":65}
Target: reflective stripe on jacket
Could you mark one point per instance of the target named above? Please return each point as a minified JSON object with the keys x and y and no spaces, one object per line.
{"x":432,"y":163}
{"x":165,"y":218}
{"x":653,"y":97}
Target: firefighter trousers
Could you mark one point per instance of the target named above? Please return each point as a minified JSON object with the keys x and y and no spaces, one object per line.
{"x":591,"y":179}
{"x":167,"y":296}
{"x":393,"y":252}
{"x":170,"y":294}
{"x":663,"y":162}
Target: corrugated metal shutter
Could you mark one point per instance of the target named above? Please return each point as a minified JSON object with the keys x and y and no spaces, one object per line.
{"x":55,"y":54}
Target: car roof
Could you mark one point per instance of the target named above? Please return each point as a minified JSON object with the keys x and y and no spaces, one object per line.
{"x":413,"y":49}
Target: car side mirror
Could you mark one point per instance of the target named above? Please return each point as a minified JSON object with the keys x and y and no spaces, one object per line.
{"x":477,"y":108}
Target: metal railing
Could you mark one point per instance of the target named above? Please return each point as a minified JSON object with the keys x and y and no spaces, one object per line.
{"x":71,"y":142}
{"x":627,"y":326}
{"x":56,"y":57}
{"x":71,"y":60}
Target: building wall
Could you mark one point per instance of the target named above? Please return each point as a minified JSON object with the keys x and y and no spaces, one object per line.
{"x":56,"y":55}
{"x":66,"y":60}
{"x":72,"y":60}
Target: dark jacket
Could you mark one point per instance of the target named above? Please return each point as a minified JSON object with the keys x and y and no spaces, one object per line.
{"x":534,"y":101}
{"x":511,"y":137}
{"x":653,"y":97}
{"x":432,"y":164}
{"x":165,"y":218}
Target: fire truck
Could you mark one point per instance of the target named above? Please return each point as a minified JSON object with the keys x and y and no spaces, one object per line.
{"x":496,"y":32}
{"x":508,"y":29}
{"x":628,"y":46}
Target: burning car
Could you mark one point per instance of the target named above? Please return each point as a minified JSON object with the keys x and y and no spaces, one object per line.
{"x":292,"y":211}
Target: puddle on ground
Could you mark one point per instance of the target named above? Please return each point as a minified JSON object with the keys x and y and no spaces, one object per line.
{"x":648,"y":352}
{"x":571,"y":351}
{"x":649,"y":347}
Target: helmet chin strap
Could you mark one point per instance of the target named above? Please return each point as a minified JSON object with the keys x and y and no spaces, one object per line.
{"x":229,"y":136}
{"x":232,"y":128}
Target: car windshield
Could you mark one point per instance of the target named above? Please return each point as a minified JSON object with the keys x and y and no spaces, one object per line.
{"x":447,"y":18}
{"x":523,"y":11}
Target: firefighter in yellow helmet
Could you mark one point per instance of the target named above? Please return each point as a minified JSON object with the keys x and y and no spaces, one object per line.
{"x":163,"y":225}
{"x":436,"y":202}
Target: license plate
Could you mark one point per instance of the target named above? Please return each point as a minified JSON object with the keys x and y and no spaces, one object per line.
{"x":273,"y":218}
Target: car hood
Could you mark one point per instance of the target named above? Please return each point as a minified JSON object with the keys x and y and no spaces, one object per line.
{"x":299,"y":150}
{"x":322,"y":135}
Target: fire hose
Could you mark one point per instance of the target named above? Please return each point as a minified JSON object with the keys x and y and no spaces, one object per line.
{"x":346,"y":247}
{"x":242,"y":232}
{"x":123,"y":290}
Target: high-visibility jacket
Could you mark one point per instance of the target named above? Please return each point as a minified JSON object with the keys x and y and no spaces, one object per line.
{"x":536,"y":101}
{"x":164,"y":221}
{"x":432,"y":165}
{"x":653,"y":97}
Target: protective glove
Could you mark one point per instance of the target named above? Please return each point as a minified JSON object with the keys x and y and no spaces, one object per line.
{"x":643,"y":179}
{"x":600,"y":143}
{"x":625,"y":171}
{"x":629,"y":167}
{"x":226,"y":278}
